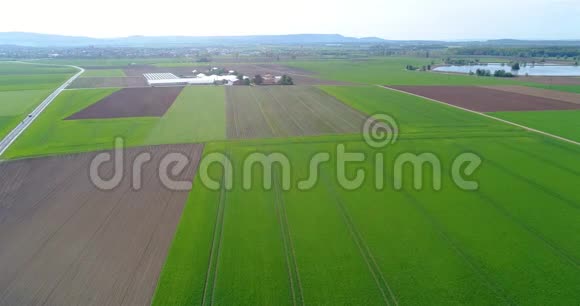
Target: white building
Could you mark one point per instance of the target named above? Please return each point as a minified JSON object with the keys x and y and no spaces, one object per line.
{"x":166,"y":79}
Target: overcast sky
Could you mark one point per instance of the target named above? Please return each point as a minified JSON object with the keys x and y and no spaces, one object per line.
{"x":398,"y":19}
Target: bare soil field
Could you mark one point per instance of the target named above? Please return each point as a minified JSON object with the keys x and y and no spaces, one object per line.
{"x":107,"y":82}
{"x":486,"y":100}
{"x":300,"y":76}
{"x":65,"y":242}
{"x":551,"y":80}
{"x":281,"y":111}
{"x":539,"y":92}
{"x":131,"y":102}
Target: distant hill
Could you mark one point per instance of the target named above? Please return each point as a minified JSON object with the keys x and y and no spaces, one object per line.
{"x":49,"y":40}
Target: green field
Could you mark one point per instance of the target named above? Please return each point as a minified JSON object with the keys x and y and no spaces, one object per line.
{"x":32,"y":82}
{"x":561,"y":123}
{"x":17,"y":76}
{"x":23,"y":87}
{"x":197,"y":115}
{"x":15,"y":105}
{"x":103,"y":73}
{"x":510,"y":242}
{"x":16,"y":68}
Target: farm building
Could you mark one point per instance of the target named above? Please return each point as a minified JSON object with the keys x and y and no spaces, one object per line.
{"x":270,"y":79}
{"x":167,"y":79}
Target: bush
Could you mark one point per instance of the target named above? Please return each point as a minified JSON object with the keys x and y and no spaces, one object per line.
{"x":503,"y":74}
{"x":258,"y":79}
{"x":286,"y":80}
{"x":483,"y":72}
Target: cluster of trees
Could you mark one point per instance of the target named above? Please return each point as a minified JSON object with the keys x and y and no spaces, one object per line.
{"x":286,"y":80}
{"x":203,"y":59}
{"x":503,"y":74}
{"x":482,"y":72}
{"x":497,"y":73}
{"x":243,"y":81}
{"x":422,"y":68}
{"x":259,"y":80}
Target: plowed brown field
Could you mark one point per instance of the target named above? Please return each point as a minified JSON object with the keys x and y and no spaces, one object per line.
{"x":131,"y":102}
{"x":486,"y":100}
{"x":65,"y":242}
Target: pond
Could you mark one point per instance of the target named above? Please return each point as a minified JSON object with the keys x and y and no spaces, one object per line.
{"x":534,"y":70}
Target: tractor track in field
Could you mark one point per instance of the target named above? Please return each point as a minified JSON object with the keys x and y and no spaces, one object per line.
{"x":485,"y":278}
{"x":387,"y":293}
{"x":292,"y":265}
{"x":266,"y":117}
{"x":316,"y":114}
{"x":533,"y":232}
{"x":525,"y":226}
{"x":541,"y":187}
{"x":539,"y":157}
{"x":282,"y":106}
{"x":212,"y":268}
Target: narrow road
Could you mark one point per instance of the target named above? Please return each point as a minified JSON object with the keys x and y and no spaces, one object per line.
{"x":26,"y":122}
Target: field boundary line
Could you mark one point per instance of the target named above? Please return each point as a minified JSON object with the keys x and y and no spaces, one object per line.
{"x":29,"y":119}
{"x":215,"y":248}
{"x":293,"y":271}
{"x":364,"y":249}
{"x":317,"y":114}
{"x":337,"y":102}
{"x":487,"y":116}
{"x":196,"y":153}
{"x":234,"y":114}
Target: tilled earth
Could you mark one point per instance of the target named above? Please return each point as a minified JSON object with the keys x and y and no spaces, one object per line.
{"x":66,"y":242}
